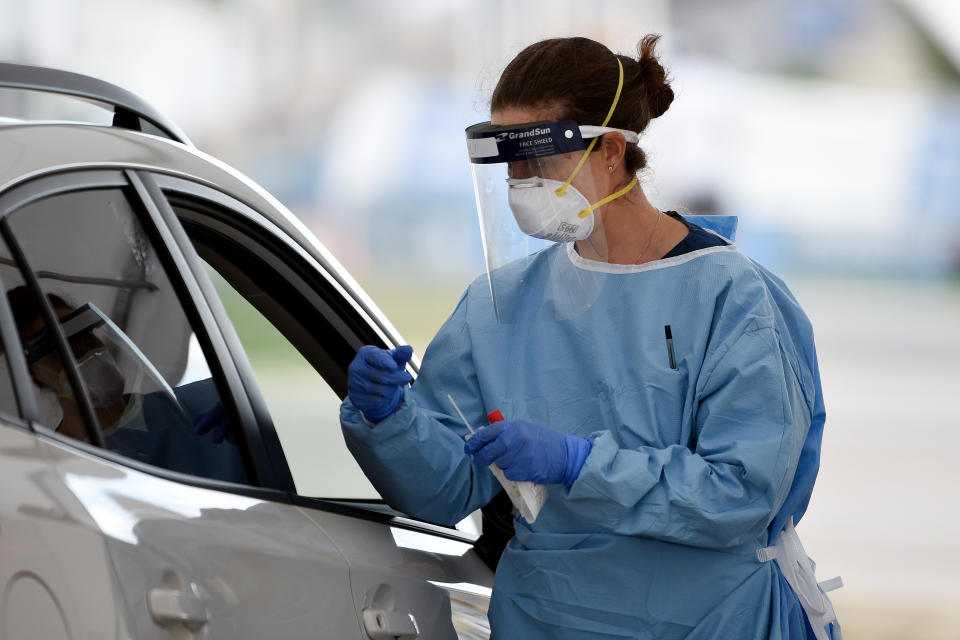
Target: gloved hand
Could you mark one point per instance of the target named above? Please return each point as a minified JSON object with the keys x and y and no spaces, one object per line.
{"x":526,"y":451}
{"x":376,"y":378}
{"x":214,"y":420}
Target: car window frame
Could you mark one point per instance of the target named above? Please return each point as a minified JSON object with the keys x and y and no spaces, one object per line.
{"x":363,"y":330}
{"x":20,"y":381}
{"x":362,"y":324}
{"x":60,"y":182}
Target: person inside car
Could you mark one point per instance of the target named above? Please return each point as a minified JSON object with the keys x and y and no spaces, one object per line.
{"x":139,"y":414}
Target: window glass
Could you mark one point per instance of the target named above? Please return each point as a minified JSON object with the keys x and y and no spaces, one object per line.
{"x":304,"y":409}
{"x":140,"y":362}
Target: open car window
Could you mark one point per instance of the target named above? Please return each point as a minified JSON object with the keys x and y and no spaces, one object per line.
{"x":296,"y":339}
{"x":304,"y":408}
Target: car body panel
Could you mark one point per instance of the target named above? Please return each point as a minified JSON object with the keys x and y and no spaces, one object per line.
{"x":55,"y":573}
{"x":390,"y":567}
{"x":261,"y":568}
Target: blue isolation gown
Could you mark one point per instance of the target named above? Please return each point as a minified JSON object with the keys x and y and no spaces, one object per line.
{"x":693,"y":468}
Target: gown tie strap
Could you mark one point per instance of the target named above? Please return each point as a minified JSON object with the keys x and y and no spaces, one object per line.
{"x":799,"y":572}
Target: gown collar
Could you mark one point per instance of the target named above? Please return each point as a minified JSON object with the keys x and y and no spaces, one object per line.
{"x":605,"y":267}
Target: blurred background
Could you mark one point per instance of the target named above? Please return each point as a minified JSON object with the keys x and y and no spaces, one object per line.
{"x":831,"y":127}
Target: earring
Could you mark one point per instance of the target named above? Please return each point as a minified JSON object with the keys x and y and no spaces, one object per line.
{"x":610,"y":169}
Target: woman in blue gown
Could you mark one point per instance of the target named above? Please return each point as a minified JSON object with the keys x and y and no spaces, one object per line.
{"x":662,"y":387}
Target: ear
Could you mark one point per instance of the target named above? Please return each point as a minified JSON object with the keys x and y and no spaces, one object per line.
{"x":613,"y":146}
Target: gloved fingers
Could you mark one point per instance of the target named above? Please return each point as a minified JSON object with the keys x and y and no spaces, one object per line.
{"x":359,"y":359}
{"x":511,"y":462}
{"x":388,"y":379}
{"x":203,"y":424}
{"x":482,"y":437}
{"x":216,"y":423}
{"x":519,"y":473}
{"x":402,"y":354}
{"x":209,"y":419}
{"x":378,"y":358}
{"x":373,"y":380}
{"x":491,"y":453}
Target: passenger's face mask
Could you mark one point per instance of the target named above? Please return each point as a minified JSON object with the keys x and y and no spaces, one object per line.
{"x":50,"y":413}
{"x":541,"y":213}
{"x":102,"y":377}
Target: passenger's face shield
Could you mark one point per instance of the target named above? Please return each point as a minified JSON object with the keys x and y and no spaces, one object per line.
{"x":534,"y":187}
{"x":117,"y":376}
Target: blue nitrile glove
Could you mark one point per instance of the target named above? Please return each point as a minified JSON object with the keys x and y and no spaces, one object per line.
{"x":214,"y":420}
{"x":526,"y":451}
{"x":376,"y":378}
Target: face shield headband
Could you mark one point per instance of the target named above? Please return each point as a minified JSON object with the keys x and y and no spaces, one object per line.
{"x":490,"y":144}
{"x":76,"y":326}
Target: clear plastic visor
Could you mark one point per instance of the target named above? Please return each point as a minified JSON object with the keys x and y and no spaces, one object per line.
{"x":525,"y":214}
{"x":119,"y":379}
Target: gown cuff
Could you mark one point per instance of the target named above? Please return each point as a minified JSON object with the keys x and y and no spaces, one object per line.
{"x":353,"y":421}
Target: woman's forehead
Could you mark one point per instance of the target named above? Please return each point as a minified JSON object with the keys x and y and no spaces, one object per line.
{"x":521,"y":115}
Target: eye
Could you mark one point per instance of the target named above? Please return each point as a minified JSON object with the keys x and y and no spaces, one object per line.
{"x":523,"y":169}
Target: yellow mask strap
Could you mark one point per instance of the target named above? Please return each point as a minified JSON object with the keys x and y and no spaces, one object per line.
{"x":562,"y":189}
{"x":612,"y":196}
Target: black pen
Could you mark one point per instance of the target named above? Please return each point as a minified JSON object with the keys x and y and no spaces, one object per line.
{"x":669,"y":334}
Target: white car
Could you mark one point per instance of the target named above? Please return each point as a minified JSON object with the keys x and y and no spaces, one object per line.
{"x":175,"y":346}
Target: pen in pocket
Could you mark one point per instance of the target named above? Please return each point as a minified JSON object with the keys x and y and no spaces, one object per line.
{"x":669,"y":335}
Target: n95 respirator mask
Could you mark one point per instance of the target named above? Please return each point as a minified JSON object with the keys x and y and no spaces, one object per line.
{"x":541,"y":213}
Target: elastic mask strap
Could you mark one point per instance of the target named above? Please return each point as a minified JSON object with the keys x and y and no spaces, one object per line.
{"x":62,"y":378}
{"x":562,"y":189}
{"x":612,"y":196}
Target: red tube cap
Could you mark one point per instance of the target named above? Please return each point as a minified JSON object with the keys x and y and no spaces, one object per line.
{"x":494,"y":416}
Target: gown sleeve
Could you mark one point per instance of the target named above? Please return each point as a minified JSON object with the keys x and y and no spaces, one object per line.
{"x":414,"y":457}
{"x":750,"y":422}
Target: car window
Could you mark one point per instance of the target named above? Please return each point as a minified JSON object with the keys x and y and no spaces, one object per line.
{"x":304,"y":408}
{"x":125,"y":330}
{"x":296,"y":332}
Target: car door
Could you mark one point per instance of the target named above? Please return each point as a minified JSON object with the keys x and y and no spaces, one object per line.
{"x":196,"y":538}
{"x":299,"y":323}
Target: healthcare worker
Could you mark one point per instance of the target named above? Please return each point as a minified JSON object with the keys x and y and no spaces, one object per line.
{"x":661,"y":386}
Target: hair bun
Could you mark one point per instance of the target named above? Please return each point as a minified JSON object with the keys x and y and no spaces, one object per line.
{"x":653,"y":77}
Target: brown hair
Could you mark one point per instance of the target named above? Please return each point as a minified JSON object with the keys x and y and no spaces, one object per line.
{"x":26,"y":308}
{"x":577,"y":77}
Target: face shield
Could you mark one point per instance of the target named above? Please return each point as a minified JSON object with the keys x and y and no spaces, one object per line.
{"x":534,"y":190}
{"x":119,"y":379}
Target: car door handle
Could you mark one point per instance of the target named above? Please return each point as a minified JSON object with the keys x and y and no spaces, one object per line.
{"x":382,"y":624}
{"x":171,"y":606}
